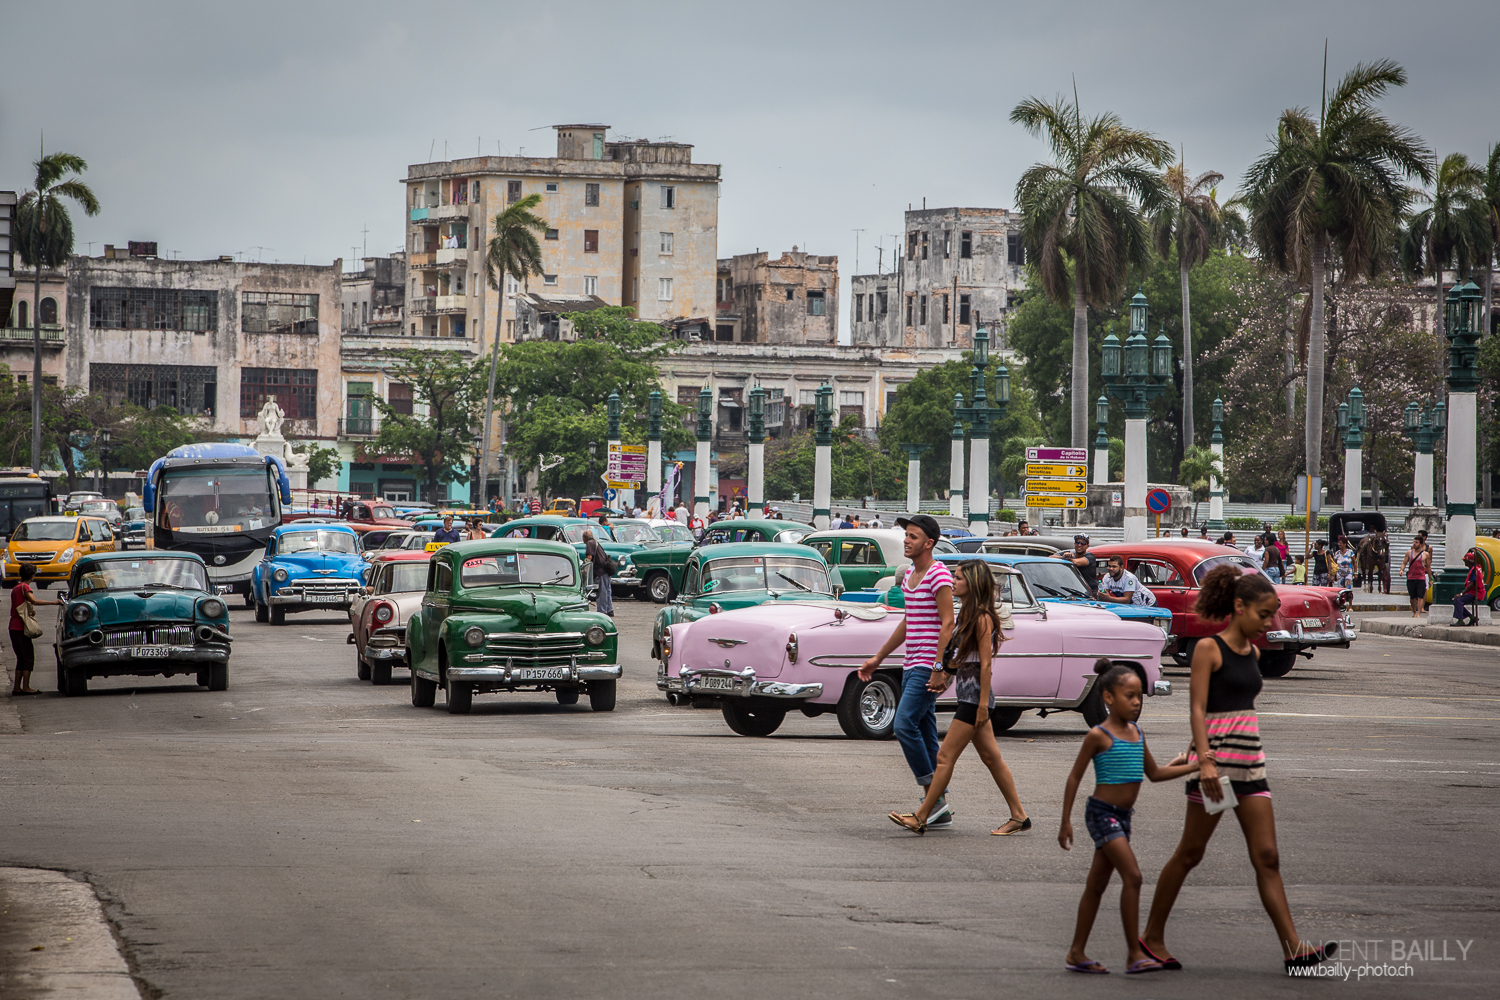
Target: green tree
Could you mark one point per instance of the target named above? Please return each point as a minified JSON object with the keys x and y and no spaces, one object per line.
{"x":1489,"y":197}
{"x":322,"y":463}
{"x":1199,"y":467}
{"x":437,"y":437}
{"x":858,"y":465}
{"x":1082,"y":217}
{"x":1334,"y":185}
{"x":515,"y":253}
{"x":139,"y":436}
{"x":1452,"y":231}
{"x":44,"y":236}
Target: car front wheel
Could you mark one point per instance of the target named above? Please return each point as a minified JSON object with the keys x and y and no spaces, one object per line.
{"x":1093,"y":708}
{"x":1002,"y":719}
{"x":262,"y":613}
{"x":867,"y":710}
{"x":750,"y":717}
{"x":460,"y":697}
{"x":278,"y":614}
{"x":218,"y":677}
{"x":602,"y":696}
{"x":659,"y":586}
{"x":423,"y":691}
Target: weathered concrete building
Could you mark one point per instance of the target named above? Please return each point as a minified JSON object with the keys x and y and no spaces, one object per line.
{"x":16,"y":331}
{"x":960,"y":267}
{"x":374,"y":297}
{"x":792,"y":300}
{"x":212,"y":338}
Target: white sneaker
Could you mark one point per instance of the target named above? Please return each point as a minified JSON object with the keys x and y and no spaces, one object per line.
{"x":942,"y":816}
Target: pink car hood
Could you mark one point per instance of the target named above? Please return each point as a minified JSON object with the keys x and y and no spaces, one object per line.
{"x":757,"y":637}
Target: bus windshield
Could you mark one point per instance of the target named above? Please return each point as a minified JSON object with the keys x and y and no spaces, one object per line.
{"x":215,"y":501}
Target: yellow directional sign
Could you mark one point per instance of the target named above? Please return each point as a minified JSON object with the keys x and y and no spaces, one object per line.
{"x":1065,"y":471}
{"x":1072,"y":503}
{"x":1070,"y":486}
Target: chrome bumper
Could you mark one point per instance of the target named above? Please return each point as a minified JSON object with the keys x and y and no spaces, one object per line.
{"x":321,"y":599}
{"x":1343,"y":633}
{"x":507,"y":674}
{"x":742,"y":684}
{"x":1161,"y":688}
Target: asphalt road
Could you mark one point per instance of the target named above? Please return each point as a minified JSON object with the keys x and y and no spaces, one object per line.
{"x":309,"y":835}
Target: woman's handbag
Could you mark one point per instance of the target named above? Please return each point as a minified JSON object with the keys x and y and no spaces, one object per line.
{"x":30,"y":627}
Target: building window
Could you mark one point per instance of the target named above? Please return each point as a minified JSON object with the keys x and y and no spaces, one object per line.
{"x":549,"y":279}
{"x":791,"y":293}
{"x":924,"y":244}
{"x":664,"y":289}
{"x":668,"y":196}
{"x":591,"y":284}
{"x":851,"y":397}
{"x":551,"y":234}
{"x":23,"y":321}
{"x":358,"y":416}
{"x":153,"y":309}
{"x":945,"y":310}
{"x":880,"y":296}
{"x":666,"y":242}
{"x":188,"y":389}
{"x":552,"y":187}
{"x":278,"y":312}
{"x":512,"y":191}
{"x":966,"y":245}
{"x":807,"y":397}
{"x":598,"y":145}
{"x":815,"y":304}
{"x":48,"y":312}
{"x":591,"y":241}
{"x":910,"y":299}
{"x":398,"y":394}
{"x":591,"y":195}
{"x":724,"y":333}
{"x":1015,"y":253}
{"x":859,"y":308}
{"x":476,"y":192}
{"x":911,"y":246}
{"x":295,"y":389}
{"x":635,"y":289}
{"x":687,"y":395}
{"x":963,"y":310}
{"x":922,"y":310}
{"x":947,"y":243}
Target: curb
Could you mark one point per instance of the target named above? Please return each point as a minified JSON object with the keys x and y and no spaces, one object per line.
{"x":56,"y":941}
{"x":1415,"y":628}
{"x":10,"y":716}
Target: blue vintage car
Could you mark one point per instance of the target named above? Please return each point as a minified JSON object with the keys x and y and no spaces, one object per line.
{"x":307,"y":567}
{"x":141,"y":614}
{"x":133,"y":534}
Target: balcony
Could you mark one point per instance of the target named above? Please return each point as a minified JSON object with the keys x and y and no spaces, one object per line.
{"x":440,"y":212}
{"x":422,"y":305}
{"x":52,"y":335}
{"x":420,"y":259}
{"x":419,"y":214}
{"x":452,"y":303}
{"x":356,"y":427}
{"x":455,"y":255}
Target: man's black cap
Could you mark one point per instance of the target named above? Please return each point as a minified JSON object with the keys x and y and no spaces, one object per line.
{"x":926,"y":522}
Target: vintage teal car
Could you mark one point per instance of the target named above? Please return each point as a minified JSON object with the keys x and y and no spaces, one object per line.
{"x":506,"y":615}
{"x":661,"y":569}
{"x":141,"y":614}
{"x":736,"y":575}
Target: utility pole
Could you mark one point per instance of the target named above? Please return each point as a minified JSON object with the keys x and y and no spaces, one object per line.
{"x":856,"y":249}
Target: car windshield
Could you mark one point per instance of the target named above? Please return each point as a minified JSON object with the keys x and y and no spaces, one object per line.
{"x":409,"y":577}
{"x":316,"y":541}
{"x":791,"y":535}
{"x":395,"y":540}
{"x":383,"y":512}
{"x":45,"y":531}
{"x":1055,"y":578}
{"x":141,"y":574}
{"x":95,"y":506}
{"x":943,"y":547}
{"x":673,"y":532}
{"x":417,"y":540}
{"x":517,"y":569}
{"x":574,"y":533}
{"x":136,"y":513}
{"x":1010,"y":588}
{"x":211,"y":501}
{"x":1244,"y":562}
{"x":738,"y":573}
{"x":635,"y":533}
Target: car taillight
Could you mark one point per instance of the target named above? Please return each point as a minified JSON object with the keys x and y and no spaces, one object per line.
{"x":383,"y":612}
{"x":791,"y":648}
{"x":666,"y":644}
{"x":715,"y":607}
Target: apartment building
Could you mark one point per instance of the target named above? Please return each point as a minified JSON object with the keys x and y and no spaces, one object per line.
{"x":632,"y":222}
{"x":374,"y":297}
{"x":791,"y":300}
{"x":960,"y":267}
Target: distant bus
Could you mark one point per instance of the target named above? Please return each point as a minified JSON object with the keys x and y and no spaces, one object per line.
{"x":220,"y":501}
{"x":22,"y":497}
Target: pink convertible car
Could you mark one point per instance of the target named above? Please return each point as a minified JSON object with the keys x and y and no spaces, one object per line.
{"x":759,"y":663}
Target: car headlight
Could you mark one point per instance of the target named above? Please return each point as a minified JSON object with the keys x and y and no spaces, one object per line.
{"x":474,"y":635}
{"x":80,"y":613}
{"x":666,"y":643}
{"x":67,"y":555}
{"x":595,"y":635}
{"x":280,"y":575}
{"x":1165,"y":624}
{"x":211,"y":608}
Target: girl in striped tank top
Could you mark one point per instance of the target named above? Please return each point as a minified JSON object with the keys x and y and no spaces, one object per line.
{"x":1121,"y":761}
{"x":1226,"y":740}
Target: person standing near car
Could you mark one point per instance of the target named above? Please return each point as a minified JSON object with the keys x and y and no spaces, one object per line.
{"x":1086,"y":561}
{"x":447,"y":534}
{"x":1120,"y":586}
{"x":604,"y":568}
{"x":926,"y":628}
{"x":23,"y":594}
{"x":1321,"y":576}
{"x":1414,"y":568}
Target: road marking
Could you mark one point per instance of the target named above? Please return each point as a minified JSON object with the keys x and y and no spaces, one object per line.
{"x":314,"y":638}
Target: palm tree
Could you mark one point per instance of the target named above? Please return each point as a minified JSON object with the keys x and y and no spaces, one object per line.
{"x":44,"y":235}
{"x":1193,"y":222}
{"x":1085,"y":209}
{"x":1489,"y":201}
{"x":513,"y":252}
{"x":1333,"y":185}
{"x":1453,"y":230}
{"x":1200,"y":466}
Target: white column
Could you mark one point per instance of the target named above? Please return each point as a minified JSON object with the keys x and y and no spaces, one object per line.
{"x":653,"y":466}
{"x":1462,"y":478}
{"x":1135,"y":480}
{"x":1216,"y":488}
{"x":979,"y":486}
{"x":755,"y":480}
{"x":956,"y":480}
{"x":822,"y":485}
{"x":700,"y":489}
{"x":1353,"y":477}
{"x":1101,"y":466}
{"x":1422,"y":479}
{"x":913,"y":485}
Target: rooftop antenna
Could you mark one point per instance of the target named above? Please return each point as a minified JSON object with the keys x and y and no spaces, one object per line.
{"x":430,"y":150}
{"x":365,"y":242}
{"x":856,"y":249}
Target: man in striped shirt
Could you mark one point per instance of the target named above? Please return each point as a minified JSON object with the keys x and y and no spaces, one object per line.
{"x":925,"y":629}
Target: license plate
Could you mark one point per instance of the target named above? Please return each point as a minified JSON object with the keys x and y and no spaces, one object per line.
{"x":712,"y":683}
{"x":539,"y":674}
{"x":322,"y":598}
{"x":150,"y":652}
{"x":1312,"y":623}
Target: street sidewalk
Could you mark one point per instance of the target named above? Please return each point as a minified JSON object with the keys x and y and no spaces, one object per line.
{"x":1417,"y":628}
{"x":55,"y":940}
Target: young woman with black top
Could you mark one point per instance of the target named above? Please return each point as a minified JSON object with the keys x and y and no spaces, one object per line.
{"x":1226,"y":741}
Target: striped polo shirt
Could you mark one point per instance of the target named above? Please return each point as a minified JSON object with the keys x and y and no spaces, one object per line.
{"x":922,"y":622}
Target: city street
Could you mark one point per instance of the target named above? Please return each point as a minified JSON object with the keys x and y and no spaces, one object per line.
{"x":309,"y":835}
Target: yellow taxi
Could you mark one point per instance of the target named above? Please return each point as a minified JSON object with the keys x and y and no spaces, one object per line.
{"x":53,"y":544}
{"x":561,"y":507}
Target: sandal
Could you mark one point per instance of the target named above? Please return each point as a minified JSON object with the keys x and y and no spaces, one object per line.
{"x":914,"y":825}
{"x":1144,"y":965}
{"x":1090,"y":967}
{"x":1022,"y":825}
{"x":1169,"y":963}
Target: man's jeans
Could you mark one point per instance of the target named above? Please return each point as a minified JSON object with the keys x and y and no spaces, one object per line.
{"x":605,"y":602}
{"x":916,"y":724}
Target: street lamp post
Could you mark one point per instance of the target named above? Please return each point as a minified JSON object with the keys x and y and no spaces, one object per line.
{"x":823,"y":465}
{"x":104,"y":459}
{"x":700,"y":465}
{"x":593,"y":451}
{"x":1423,"y":426}
{"x":1463,"y":331}
{"x":626,"y":497}
{"x":1216,"y":523}
{"x":755,"y":458}
{"x":478,"y":498}
{"x":956,"y":466}
{"x":914,"y":476}
{"x":653,"y":442}
{"x":1351,"y":423}
{"x":980,"y":415}
{"x":1101,"y":442}
{"x":1146,"y":371}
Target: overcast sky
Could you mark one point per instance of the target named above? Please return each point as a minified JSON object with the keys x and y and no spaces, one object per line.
{"x":282,"y":130}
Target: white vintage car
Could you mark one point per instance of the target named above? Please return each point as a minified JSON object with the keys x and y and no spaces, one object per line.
{"x":398,"y":579}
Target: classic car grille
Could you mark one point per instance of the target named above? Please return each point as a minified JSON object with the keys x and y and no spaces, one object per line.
{"x":543,"y":648}
{"x":320,"y":588}
{"x":35,"y":557}
{"x":162,"y":635}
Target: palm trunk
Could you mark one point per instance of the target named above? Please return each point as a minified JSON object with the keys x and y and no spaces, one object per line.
{"x":1080,"y":366}
{"x":489,"y":402}
{"x":1313,"y":432}
{"x":1485,"y":471}
{"x":36,"y":369}
{"x":1187,"y":360}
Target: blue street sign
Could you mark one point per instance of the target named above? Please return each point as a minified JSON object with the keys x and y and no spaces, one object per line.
{"x":1158,"y":501}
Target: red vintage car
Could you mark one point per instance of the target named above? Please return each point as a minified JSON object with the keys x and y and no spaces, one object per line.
{"x":1173,"y":569}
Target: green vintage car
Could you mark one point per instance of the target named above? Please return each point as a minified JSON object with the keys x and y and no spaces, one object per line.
{"x":741,"y":575}
{"x":661,"y":569}
{"x":506,"y":615}
{"x":141,"y":614}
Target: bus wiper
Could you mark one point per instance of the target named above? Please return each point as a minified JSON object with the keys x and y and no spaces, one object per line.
{"x":794,"y":583}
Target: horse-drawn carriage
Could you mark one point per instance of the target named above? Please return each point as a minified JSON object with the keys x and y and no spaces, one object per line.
{"x":1366,"y":533}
